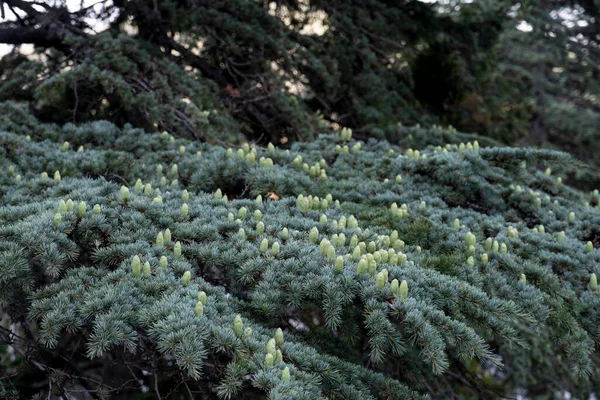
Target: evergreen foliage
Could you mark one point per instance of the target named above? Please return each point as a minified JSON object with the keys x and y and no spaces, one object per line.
{"x":136,"y":262}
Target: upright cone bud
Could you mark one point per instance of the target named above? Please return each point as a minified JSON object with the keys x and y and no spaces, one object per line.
{"x":69,"y":205}
{"x":185,"y":279}
{"x":124,"y":194}
{"x":62,"y":206}
{"x":339,"y":264}
{"x":257,"y":215}
{"x":279,"y":337}
{"x":471,"y":261}
{"x":199,"y":309}
{"x":589,"y":246}
{"x":456,"y":224}
{"x":487,"y":246}
{"x":522,"y":278}
{"x":285,"y":234}
{"x":470,"y":239}
{"x":285,"y":374}
{"x":275,"y":249}
{"x":57,"y":219}
{"x":136,"y":266}
{"x":218,"y":194}
{"x":184,"y":209}
{"x":146,"y":269}
{"x":260,"y":228}
{"x":96,"y":210}
{"x":167,"y":235}
{"x":160,"y":240}
{"x":403,"y":291}
{"x":264,"y":245}
{"x":394,"y":287}
{"x":561,"y":236}
{"x":571,"y":217}
{"x":163,"y":262}
{"x":81,"y":207}
{"x":238,"y":325}
{"x":202,"y":298}
{"x":177,"y":249}
{"x":139,"y":186}
{"x":313,"y":236}
{"x":57,"y":177}
{"x":380,"y":280}
{"x":593,"y":282}
{"x":269,"y":359}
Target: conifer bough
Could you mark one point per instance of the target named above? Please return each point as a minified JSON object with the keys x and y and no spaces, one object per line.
{"x":413,"y":307}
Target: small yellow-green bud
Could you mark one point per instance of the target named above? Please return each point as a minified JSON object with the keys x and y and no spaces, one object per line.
{"x":285,"y":374}
{"x":258,"y":215}
{"x":160,"y":239}
{"x":471,"y":261}
{"x":484,"y":258}
{"x":184,"y":209}
{"x":285,"y":234}
{"x":163,"y":181}
{"x":271,"y":347}
{"x":313,"y":236}
{"x":218,"y":194}
{"x":174,"y":170}
{"x":62,"y":206}
{"x":394,"y":287}
{"x":362,"y":266}
{"x":323,"y":219}
{"x":260,"y":228}
{"x":136,"y":266}
{"x":248,"y":331}
{"x":182,"y":149}
{"x":199,"y":309}
{"x":571,"y":217}
{"x":279,"y":357}
{"x":487,"y":245}
{"x":470,"y":239}
{"x":177,"y":249}
{"x":146,"y":269}
{"x":537,"y":203}
{"x":331,"y":252}
{"x":139,"y":186}
{"x":238,"y":325}
{"x":57,"y":177}
{"x":242,"y":212}
{"x":559,"y":180}
{"x":593,"y":282}
{"x":163,"y":262}
{"x":275,"y":249}
{"x":339,"y":264}
{"x":202,"y":297}
{"x":57,"y":219}
{"x":403,"y":291}
{"x":124,"y":194}
{"x":380,"y":280}
{"x":250,"y":158}
{"x":503,"y":248}
{"x":264,"y":245}
{"x":65,"y":146}
{"x":185,"y":279}
{"x":69,"y":205}
{"x":167,"y":235}
{"x":523,"y":278}
{"x":589,"y":246}
{"x":279,"y":337}
{"x":96,"y":210}
{"x":159,"y":168}
{"x":230,"y":217}
{"x":456,"y":224}
{"x":81,"y":207}
{"x":398,"y":179}
{"x":371,"y":247}
{"x":185,"y":196}
{"x":561,"y":236}
{"x":269,"y":359}
{"x":242,"y":233}
{"x":44,"y":175}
